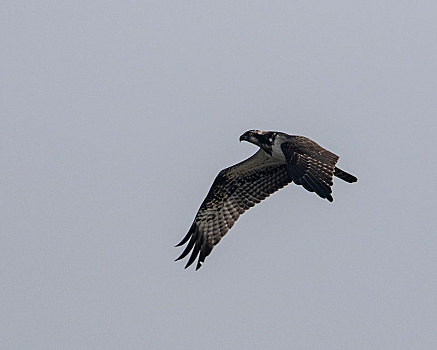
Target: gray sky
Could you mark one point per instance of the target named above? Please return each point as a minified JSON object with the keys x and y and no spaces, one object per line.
{"x":117,"y":116}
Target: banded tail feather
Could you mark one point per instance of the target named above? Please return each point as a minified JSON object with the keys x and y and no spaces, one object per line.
{"x":344,"y":175}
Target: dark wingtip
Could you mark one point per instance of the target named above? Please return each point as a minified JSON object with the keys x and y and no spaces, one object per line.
{"x":188,"y":264}
{"x":183,"y":255}
{"x":329,"y":198}
{"x":187,"y":236}
{"x":181,"y":242}
{"x":195,"y":252}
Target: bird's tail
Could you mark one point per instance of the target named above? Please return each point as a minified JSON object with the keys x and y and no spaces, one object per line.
{"x":344,"y":175}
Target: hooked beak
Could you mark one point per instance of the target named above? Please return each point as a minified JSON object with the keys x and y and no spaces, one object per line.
{"x":244,"y":137}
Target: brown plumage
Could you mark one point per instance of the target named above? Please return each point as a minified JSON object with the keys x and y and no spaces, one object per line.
{"x":280,"y":160}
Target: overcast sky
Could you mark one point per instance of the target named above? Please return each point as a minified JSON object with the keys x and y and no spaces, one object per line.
{"x":117,"y":115}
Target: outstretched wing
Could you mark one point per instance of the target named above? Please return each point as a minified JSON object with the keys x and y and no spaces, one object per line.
{"x":235,"y":190}
{"x":310,"y":165}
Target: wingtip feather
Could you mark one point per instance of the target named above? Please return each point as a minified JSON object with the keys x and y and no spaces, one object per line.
{"x":191,"y":231}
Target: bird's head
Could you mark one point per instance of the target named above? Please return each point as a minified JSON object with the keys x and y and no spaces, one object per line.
{"x":263,"y":139}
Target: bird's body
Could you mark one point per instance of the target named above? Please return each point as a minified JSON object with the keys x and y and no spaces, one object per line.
{"x":280,"y":160}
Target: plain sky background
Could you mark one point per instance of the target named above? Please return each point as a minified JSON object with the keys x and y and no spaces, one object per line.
{"x":117,"y":115}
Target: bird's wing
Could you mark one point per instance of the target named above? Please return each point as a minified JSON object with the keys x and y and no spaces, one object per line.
{"x":235,"y":190}
{"x":310,"y":165}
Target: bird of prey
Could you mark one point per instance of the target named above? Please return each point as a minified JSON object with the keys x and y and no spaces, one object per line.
{"x":280,"y":160}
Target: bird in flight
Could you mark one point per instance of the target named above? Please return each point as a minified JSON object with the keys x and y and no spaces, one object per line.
{"x":281,"y":159}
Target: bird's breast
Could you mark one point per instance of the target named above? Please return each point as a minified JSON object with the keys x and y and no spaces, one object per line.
{"x":277,"y":152}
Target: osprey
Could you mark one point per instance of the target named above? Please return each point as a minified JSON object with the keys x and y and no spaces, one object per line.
{"x":280,"y":160}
